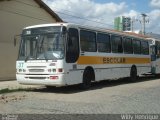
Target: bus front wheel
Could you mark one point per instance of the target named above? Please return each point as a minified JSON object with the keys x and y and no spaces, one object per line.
{"x":86,"y":83}
{"x":133,"y":74}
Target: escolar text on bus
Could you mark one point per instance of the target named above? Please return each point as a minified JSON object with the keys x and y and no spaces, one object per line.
{"x":113,"y":60}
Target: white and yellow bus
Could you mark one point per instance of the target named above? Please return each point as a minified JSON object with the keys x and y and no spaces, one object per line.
{"x":65,"y":54}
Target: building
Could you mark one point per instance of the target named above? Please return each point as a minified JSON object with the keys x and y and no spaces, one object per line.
{"x":122,"y":23}
{"x":14,"y":16}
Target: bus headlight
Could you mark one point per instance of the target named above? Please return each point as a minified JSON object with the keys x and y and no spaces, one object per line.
{"x":49,"y":70}
{"x":20,"y":70}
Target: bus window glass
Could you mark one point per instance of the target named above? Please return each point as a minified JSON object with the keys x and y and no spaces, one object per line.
{"x":44,"y":43}
{"x":127,"y":45}
{"x":103,"y":42}
{"x":88,"y":41}
{"x":136,"y":46}
{"x":144,"y":48}
{"x":116,"y":44}
{"x":72,"y":52}
{"x":158,"y":49}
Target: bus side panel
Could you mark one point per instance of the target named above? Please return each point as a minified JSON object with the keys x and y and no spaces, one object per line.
{"x":113,"y":72}
{"x":157,"y":66}
{"x":142,"y":69}
{"x":74,"y":77}
{"x":74,"y":74}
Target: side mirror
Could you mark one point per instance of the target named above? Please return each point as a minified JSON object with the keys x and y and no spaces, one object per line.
{"x":15,"y":39}
{"x":64,"y":30}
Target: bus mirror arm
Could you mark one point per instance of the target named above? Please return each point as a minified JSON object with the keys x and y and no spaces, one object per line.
{"x":15,"y":39}
{"x":64,"y":30}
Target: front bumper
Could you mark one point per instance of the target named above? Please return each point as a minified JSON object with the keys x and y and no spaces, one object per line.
{"x":50,"y":80}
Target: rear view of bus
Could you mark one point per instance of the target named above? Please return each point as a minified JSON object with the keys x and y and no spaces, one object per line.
{"x":41,"y":55}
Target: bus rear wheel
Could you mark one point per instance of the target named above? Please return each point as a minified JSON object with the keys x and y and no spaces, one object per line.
{"x":86,"y":83}
{"x":133,"y":74}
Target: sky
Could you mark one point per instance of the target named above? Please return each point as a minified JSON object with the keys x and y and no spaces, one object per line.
{"x":101,"y":13}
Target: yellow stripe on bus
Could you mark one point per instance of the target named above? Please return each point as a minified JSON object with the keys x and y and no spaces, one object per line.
{"x":112,"y":60}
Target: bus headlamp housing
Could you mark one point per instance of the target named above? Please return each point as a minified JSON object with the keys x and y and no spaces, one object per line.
{"x":21,"y":70}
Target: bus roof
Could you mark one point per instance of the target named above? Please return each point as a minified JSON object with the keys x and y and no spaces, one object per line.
{"x":110,"y":31}
{"x":46,"y":25}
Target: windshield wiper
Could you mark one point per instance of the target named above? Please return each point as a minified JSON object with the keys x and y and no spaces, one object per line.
{"x":45,"y":57}
{"x":27,"y":58}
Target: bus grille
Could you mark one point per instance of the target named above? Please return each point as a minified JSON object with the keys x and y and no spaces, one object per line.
{"x":40,"y":78}
{"x":36,"y":70}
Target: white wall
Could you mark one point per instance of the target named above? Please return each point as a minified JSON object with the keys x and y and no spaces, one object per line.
{"x":14,"y":16}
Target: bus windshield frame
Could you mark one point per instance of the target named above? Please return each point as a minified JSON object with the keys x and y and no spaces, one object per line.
{"x":43,"y":43}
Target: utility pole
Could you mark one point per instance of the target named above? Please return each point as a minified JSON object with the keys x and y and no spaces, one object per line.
{"x":132,"y":24}
{"x":143,"y":22}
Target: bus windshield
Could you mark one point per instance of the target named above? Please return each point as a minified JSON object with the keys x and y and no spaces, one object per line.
{"x":41,"y":45}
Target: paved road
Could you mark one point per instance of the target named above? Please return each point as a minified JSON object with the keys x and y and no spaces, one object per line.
{"x":106,"y":97}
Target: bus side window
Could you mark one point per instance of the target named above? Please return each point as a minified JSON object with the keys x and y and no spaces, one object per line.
{"x":127,"y":45}
{"x":136,"y":46}
{"x":88,"y":41}
{"x":116,"y":44}
{"x":144,"y":48}
{"x":157,"y":49}
{"x":103,"y":42}
{"x":72,"y":51}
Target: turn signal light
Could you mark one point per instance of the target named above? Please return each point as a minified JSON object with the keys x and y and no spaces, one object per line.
{"x":53,"y":77}
{"x":60,"y":70}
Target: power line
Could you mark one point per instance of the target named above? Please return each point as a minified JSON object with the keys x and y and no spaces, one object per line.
{"x":27,"y":4}
{"x":83,"y":18}
{"x":74,"y":16}
{"x":17,"y":13}
{"x":77,"y":17}
{"x":70,"y":11}
{"x":21,"y":10}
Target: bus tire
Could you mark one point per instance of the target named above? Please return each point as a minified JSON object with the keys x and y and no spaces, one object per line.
{"x":157,"y":75}
{"x":87,"y":78}
{"x":50,"y":87}
{"x":133,"y":74}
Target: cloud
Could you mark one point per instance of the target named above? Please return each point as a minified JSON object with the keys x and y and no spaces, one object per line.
{"x":88,"y":12}
{"x":131,"y":13}
{"x":87,"y":9}
{"x":154,"y":24}
{"x":155,"y":3}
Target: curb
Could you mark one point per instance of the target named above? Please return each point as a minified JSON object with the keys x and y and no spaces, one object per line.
{"x":2,"y":80}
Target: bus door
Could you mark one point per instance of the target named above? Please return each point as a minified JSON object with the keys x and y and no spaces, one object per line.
{"x":155,"y":58}
{"x":72,"y":55}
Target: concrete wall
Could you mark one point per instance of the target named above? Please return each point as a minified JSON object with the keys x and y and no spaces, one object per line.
{"x":14,"y":16}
